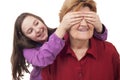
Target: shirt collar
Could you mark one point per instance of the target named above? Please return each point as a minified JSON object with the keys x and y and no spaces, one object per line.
{"x":93,"y":50}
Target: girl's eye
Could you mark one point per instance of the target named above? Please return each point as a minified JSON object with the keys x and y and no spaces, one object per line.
{"x":36,"y":23}
{"x":29,"y":31}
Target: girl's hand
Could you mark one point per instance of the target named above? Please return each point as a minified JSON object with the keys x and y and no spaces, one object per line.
{"x":70,"y":19}
{"x":93,"y":18}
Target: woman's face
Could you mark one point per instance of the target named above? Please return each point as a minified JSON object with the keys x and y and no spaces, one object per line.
{"x":83,"y":30}
{"x":34,"y":29}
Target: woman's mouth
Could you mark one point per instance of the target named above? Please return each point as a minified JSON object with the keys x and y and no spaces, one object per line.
{"x":83,"y":29}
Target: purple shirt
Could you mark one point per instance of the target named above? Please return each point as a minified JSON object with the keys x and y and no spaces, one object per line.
{"x":44,"y":55}
{"x":102,"y":36}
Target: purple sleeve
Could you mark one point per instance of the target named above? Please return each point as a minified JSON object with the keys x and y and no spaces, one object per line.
{"x":44,"y":55}
{"x":103,"y":35}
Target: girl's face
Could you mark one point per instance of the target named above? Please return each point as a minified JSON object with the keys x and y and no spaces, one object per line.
{"x":34,"y":29}
{"x":82,"y":30}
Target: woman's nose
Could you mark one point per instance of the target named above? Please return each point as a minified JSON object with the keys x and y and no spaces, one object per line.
{"x":83,"y":22}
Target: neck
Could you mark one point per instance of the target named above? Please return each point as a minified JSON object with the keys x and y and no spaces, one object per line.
{"x":79,"y":47}
{"x":79,"y":44}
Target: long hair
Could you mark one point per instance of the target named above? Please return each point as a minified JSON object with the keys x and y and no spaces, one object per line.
{"x":20,"y":41}
{"x":75,"y":5}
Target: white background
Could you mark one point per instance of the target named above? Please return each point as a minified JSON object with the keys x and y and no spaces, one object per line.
{"x":108,"y":11}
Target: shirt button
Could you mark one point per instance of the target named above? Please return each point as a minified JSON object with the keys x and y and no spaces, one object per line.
{"x":80,"y":74}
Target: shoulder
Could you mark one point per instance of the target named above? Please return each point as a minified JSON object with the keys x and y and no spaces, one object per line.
{"x":106,"y":46}
{"x":107,"y":50}
{"x":109,"y":46}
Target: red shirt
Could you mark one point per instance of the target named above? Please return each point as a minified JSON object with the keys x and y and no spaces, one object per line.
{"x":101,"y":62}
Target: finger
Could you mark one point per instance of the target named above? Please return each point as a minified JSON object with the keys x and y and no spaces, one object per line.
{"x":90,"y":19}
{"x":90,"y":22}
{"x":89,"y":14}
{"x":75,"y":21}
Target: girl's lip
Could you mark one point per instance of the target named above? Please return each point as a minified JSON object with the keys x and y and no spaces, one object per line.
{"x":41,"y":32}
{"x":42,"y":35}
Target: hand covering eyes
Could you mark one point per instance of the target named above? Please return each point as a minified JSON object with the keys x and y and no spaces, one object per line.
{"x":82,"y":0}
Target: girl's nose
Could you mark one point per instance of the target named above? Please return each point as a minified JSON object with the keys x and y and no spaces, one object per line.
{"x":37,"y":30}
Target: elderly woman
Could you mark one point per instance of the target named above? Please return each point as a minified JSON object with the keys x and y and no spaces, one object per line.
{"x":83,"y":57}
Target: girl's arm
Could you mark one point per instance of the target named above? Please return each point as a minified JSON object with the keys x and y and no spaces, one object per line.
{"x":100,"y":31}
{"x":44,"y":55}
{"x":101,"y":35}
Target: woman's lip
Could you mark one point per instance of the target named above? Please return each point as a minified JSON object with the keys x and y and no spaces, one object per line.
{"x":83,"y":29}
